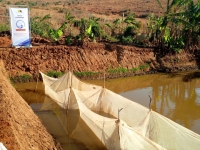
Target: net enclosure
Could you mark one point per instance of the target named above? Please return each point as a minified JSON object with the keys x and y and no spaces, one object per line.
{"x":102,"y":119}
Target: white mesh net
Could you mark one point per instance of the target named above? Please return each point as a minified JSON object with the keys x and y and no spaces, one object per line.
{"x":84,"y":109}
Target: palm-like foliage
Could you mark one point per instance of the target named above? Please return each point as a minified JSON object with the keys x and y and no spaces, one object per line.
{"x":192,"y":15}
{"x":68,"y":20}
{"x":127,"y":33}
{"x":180,"y":15}
{"x":89,"y":28}
{"x":114,"y":26}
{"x":40,"y":25}
{"x":55,"y":34}
{"x":130,"y":20}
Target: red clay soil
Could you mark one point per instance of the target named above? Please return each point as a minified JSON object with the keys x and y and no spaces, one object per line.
{"x":95,"y":57}
{"x":5,"y":42}
{"x":20,"y":128}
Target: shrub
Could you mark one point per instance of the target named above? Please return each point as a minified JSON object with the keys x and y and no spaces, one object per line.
{"x":54,"y":74}
{"x":4,"y":27}
{"x":118,"y":70}
{"x":21,"y":78}
{"x":127,"y":40}
{"x":134,"y":70}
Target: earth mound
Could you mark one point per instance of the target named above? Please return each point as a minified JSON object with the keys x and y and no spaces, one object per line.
{"x":20,"y":128}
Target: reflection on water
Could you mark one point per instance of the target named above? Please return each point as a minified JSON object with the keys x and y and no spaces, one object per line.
{"x":175,"y":96}
{"x":53,"y":125}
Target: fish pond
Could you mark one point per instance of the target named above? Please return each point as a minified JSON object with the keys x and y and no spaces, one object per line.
{"x":175,"y":96}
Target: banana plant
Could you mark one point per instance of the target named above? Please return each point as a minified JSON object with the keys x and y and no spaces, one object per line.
{"x":89,"y":29}
{"x":56,"y":34}
{"x":95,"y":28}
{"x":173,"y":15}
{"x":131,"y":21}
{"x":40,"y":25}
{"x":192,"y":14}
{"x":154,"y":27}
{"x":114,"y":26}
{"x":69,"y":20}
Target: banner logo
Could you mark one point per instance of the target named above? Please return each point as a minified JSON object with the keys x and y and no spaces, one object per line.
{"x":20,"y":25}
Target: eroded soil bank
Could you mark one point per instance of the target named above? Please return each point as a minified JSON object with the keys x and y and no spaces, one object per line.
{"x":95,"y":57}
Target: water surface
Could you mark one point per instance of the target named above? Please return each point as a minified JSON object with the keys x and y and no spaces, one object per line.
{"x":176,"y":96}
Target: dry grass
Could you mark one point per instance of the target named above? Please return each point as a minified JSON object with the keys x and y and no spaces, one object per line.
{"x":104,"y":9}
{"x":107,"y":10}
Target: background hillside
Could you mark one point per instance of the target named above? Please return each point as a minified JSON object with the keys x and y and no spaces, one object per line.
{"x":104,"y":9}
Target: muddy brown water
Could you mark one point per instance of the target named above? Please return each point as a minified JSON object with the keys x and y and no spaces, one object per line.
{"x":176,"y":96}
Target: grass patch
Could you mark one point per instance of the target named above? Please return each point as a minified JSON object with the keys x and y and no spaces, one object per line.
{"x":85,"y":74}
{"x":4,"y":27}
{"x":125,"y":70}
{"x":55,"y":74}
{"x":134,"y":70}
{"x":144,"y":66}
{"x":21,"y":78}
{"x":118,"y":70}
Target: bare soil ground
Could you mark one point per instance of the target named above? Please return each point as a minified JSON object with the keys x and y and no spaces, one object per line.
{"x":105,"y":10}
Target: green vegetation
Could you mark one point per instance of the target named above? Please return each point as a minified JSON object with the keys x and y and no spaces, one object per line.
{"x":91,"y":29}
{"x":32,"y":3}
{"x":117,"y":71}
{"x":125,"y":70}
{"x":177,"y":29}
{"x":21,"y":78}
{"x":4,"y":27}
{"x":43,"y":27}
{"x":86,"y":74}
{"x":55,"y":74}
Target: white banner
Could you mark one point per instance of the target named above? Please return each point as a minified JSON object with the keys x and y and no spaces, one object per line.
{"x":19,"y":20}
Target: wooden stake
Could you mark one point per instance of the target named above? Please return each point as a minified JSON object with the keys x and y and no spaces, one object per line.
{"x":104,"y":80}
{"x":150,"y":102}
{"x":118,"y":115}
{"x":36,"y":84}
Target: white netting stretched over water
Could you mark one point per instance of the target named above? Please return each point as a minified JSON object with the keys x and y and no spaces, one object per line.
{"x":66,"y":81}
{"x":110,"y":133}
{"x":85,"y":99}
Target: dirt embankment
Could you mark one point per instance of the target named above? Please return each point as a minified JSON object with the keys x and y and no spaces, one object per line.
{"x":95,"y":57}
{"x":20,"y":128}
